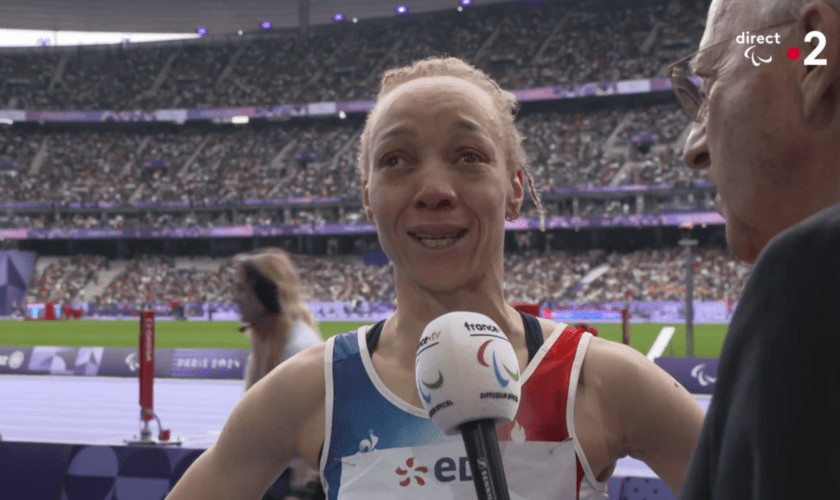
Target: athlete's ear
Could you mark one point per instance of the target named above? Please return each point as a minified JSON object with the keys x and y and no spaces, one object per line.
{"x":366,"y":199}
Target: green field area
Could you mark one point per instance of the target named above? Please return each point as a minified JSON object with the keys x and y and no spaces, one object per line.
{"x":708,"y":338}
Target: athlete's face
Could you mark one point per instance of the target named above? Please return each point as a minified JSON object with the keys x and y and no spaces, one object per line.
{"x":438,"y":188}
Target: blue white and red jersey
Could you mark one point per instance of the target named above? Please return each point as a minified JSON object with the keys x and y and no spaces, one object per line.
{"x":379,"y":447}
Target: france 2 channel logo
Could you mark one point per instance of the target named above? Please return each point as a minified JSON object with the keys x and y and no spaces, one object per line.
{"x":793,"y":52}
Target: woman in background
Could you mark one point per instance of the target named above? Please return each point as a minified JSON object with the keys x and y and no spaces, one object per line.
{"x":279,"y":325}
{"x":276,"y":319}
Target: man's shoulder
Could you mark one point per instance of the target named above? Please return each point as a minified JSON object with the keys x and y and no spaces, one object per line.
{"x":815,"y":237}
{"x":793,"y":285}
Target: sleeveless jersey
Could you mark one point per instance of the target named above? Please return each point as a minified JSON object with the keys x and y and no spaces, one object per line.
{"x":380,"y":447}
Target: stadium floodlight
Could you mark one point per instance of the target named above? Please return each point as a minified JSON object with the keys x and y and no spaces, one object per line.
{"x":460,"y":9}
{"x":338,"y":17}
{"x":355,"y":19}
{"x":240,"y":32}
{"x":342,"y":115}
{"x":202,"y":31}
{"x":466,"y":2}
{"x":402,"y":10}
{"x":266,"y":25}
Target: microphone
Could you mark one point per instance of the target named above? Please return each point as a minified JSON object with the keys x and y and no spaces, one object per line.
{"x":468,"y":377}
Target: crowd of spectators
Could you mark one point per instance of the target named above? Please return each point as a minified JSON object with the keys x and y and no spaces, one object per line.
{"x":664,"y":165}
{"x":534,"y":276}
{"x":157,"y":278}
{"x":659,"y":275}
{"x":140,"y":220}
{"x":530,"y":275}
{"x":305,"y":158}
{"x":566,"y":149}
{"x":303,"y":214}
{"x":65,"y":279}
{"x":522,"y":45}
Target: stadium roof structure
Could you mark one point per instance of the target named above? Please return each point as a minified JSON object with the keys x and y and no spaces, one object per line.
{"x":185,"y":16}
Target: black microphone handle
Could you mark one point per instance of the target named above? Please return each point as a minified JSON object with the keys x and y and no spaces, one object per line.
{"x":485,"y":458}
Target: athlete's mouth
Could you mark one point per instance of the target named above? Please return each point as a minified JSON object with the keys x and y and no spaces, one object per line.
{"x":439,"y":239}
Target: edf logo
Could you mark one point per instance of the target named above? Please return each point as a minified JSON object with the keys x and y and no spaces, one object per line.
{"x":446,"y":469}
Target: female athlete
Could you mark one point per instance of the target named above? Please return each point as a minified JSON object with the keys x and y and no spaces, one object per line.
{"x":442,"y":167}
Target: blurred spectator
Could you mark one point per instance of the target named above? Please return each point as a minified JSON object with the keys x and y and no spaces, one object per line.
{"x":62,"y":280}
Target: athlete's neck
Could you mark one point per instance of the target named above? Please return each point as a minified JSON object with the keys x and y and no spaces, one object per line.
{"x":402,"y":331}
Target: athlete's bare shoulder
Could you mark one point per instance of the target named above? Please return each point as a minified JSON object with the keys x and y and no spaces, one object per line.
{"x":263,"y":433}
{"x":548,"y":327}
{"x":627,"y":405}
{"x":311,"y":378}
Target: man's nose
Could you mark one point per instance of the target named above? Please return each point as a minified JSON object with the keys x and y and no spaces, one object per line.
{"x":696,"y":150}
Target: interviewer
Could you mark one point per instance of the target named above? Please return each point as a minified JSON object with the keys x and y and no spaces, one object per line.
{"x":770,"y":134}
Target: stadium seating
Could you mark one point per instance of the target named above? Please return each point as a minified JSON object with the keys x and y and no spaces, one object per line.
{"x":564,"y":44}
{"x":523,"y":46}
{"x":648,"y":274}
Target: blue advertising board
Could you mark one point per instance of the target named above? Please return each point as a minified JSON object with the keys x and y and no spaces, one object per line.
{"x":697,"y":375}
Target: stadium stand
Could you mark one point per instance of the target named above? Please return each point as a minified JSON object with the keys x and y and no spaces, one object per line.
{"x":618,"y":146}
{"x":649,"y":275}
{"x":566,"y":43}
{"x":312,"y":158}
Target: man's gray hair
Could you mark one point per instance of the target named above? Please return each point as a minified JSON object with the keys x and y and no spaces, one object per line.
{"x":777,"y":11}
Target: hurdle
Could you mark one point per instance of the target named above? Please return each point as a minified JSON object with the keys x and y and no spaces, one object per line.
{"x":661,"y":342}
{"x":147,"y":381}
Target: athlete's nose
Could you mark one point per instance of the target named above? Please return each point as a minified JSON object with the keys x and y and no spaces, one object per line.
{"x":436,"y":191}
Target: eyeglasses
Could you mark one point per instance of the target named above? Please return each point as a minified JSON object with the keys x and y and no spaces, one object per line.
{"x":685,"y":83}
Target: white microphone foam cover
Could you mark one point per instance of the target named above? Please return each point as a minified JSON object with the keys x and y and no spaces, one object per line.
{"x":466,"y":370}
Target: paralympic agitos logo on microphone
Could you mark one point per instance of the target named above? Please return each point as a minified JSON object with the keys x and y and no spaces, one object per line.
{"x":437,"y":384}
{"x":427,"y":398}
{"x":500,"y":378}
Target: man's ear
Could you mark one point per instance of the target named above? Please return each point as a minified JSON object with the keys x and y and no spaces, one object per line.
{"x":820,"y":84}
{"x":366,"y":200}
